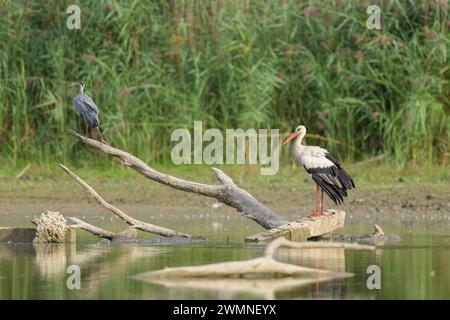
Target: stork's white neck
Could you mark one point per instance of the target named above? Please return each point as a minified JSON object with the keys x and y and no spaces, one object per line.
{"x":298,"y":141}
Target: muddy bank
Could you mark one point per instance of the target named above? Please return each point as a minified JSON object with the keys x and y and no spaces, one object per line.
{"x":146,"y":198}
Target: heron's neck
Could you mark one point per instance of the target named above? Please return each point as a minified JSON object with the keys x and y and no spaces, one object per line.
{"x":81,"y":89}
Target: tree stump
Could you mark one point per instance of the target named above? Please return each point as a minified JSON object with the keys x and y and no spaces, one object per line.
{"x":50,"y":228}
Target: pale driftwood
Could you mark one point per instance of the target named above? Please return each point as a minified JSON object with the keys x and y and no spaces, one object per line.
{"x":143,"y":226}
{"x":99,"y":232}
{"x":304,"y":228}
{"x":263,"y":265}
{"x":227,"y":192}
{"x":128,"y":236}
{"x":129,"y":233}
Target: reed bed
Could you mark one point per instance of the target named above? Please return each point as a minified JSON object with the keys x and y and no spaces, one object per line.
{"x":153,"y":66}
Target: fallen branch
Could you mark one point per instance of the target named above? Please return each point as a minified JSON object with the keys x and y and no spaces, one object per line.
{"x":227,"y":192}
{"x":262,"y":265}
{"x":239,"y":269}
{"x":99,"y":232}
{"x":143,"y":226}
{"x":127,"y":234}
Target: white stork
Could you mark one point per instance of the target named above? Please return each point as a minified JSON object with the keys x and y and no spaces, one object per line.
{"x":324,"y":169}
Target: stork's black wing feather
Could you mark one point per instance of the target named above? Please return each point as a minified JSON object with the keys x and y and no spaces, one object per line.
{"x":333,"y":180}
{"x":329,"y":189}
{"x":343,"y":176}
{"x":330,"y":157}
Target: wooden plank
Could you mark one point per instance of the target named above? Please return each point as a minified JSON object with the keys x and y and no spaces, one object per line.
{"x":71,"y":236}
{"x":304,"y":228}
{"x":26,"y":235}
{"x":268,"y":235}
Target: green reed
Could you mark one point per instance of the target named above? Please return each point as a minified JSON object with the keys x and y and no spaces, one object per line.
{"x":153,"y":66}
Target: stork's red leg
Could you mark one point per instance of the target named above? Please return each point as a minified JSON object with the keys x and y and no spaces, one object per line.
{"x":319,"y":199}
{"x":316,"y":200}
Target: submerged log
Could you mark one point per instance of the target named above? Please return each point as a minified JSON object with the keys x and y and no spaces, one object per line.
{"x":226,"y":192}
{"x":304,"y":228}
{"x":378,"y":237}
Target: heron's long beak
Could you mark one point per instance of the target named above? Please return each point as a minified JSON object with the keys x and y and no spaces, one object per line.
{"x":292,"y":136}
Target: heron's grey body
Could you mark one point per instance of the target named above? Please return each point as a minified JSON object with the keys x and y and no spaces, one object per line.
{"x":86,"y":109}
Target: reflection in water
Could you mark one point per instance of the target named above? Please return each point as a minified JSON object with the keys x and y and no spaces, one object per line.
{"x":247,"y":276}
{"x":51,"y":259}
{"x":332,"y":259}
{"x":50,"y":262}
{"x":10,"y":251}
{"x":100,"y":272}
{"x":230,"y":287}
{"x":417,"y":268}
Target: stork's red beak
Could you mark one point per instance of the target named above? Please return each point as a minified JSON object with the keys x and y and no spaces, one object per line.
{"x":292,"y":136}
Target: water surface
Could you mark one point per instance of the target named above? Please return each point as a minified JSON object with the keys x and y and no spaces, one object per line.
{"x":416,"y":268}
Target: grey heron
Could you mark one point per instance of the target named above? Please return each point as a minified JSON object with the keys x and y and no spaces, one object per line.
{"x":86,"y":108}
{"x":324,"y":169}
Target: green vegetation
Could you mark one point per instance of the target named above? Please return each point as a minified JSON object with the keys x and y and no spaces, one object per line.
{"x":115,"y":176}
{"x":153,"y":66}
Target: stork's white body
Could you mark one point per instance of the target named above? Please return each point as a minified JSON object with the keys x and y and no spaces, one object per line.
{"x":311,"y":156}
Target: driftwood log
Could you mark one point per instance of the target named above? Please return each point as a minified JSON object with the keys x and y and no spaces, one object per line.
{"x":143,"y":226}
{"x":242,"y":276}
{"x":262,"y":265}
{"x":226,"y":192}
{"x":129,"y":233}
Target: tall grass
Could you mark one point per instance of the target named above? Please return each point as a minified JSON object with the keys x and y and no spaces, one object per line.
{"x":153,"y":66}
